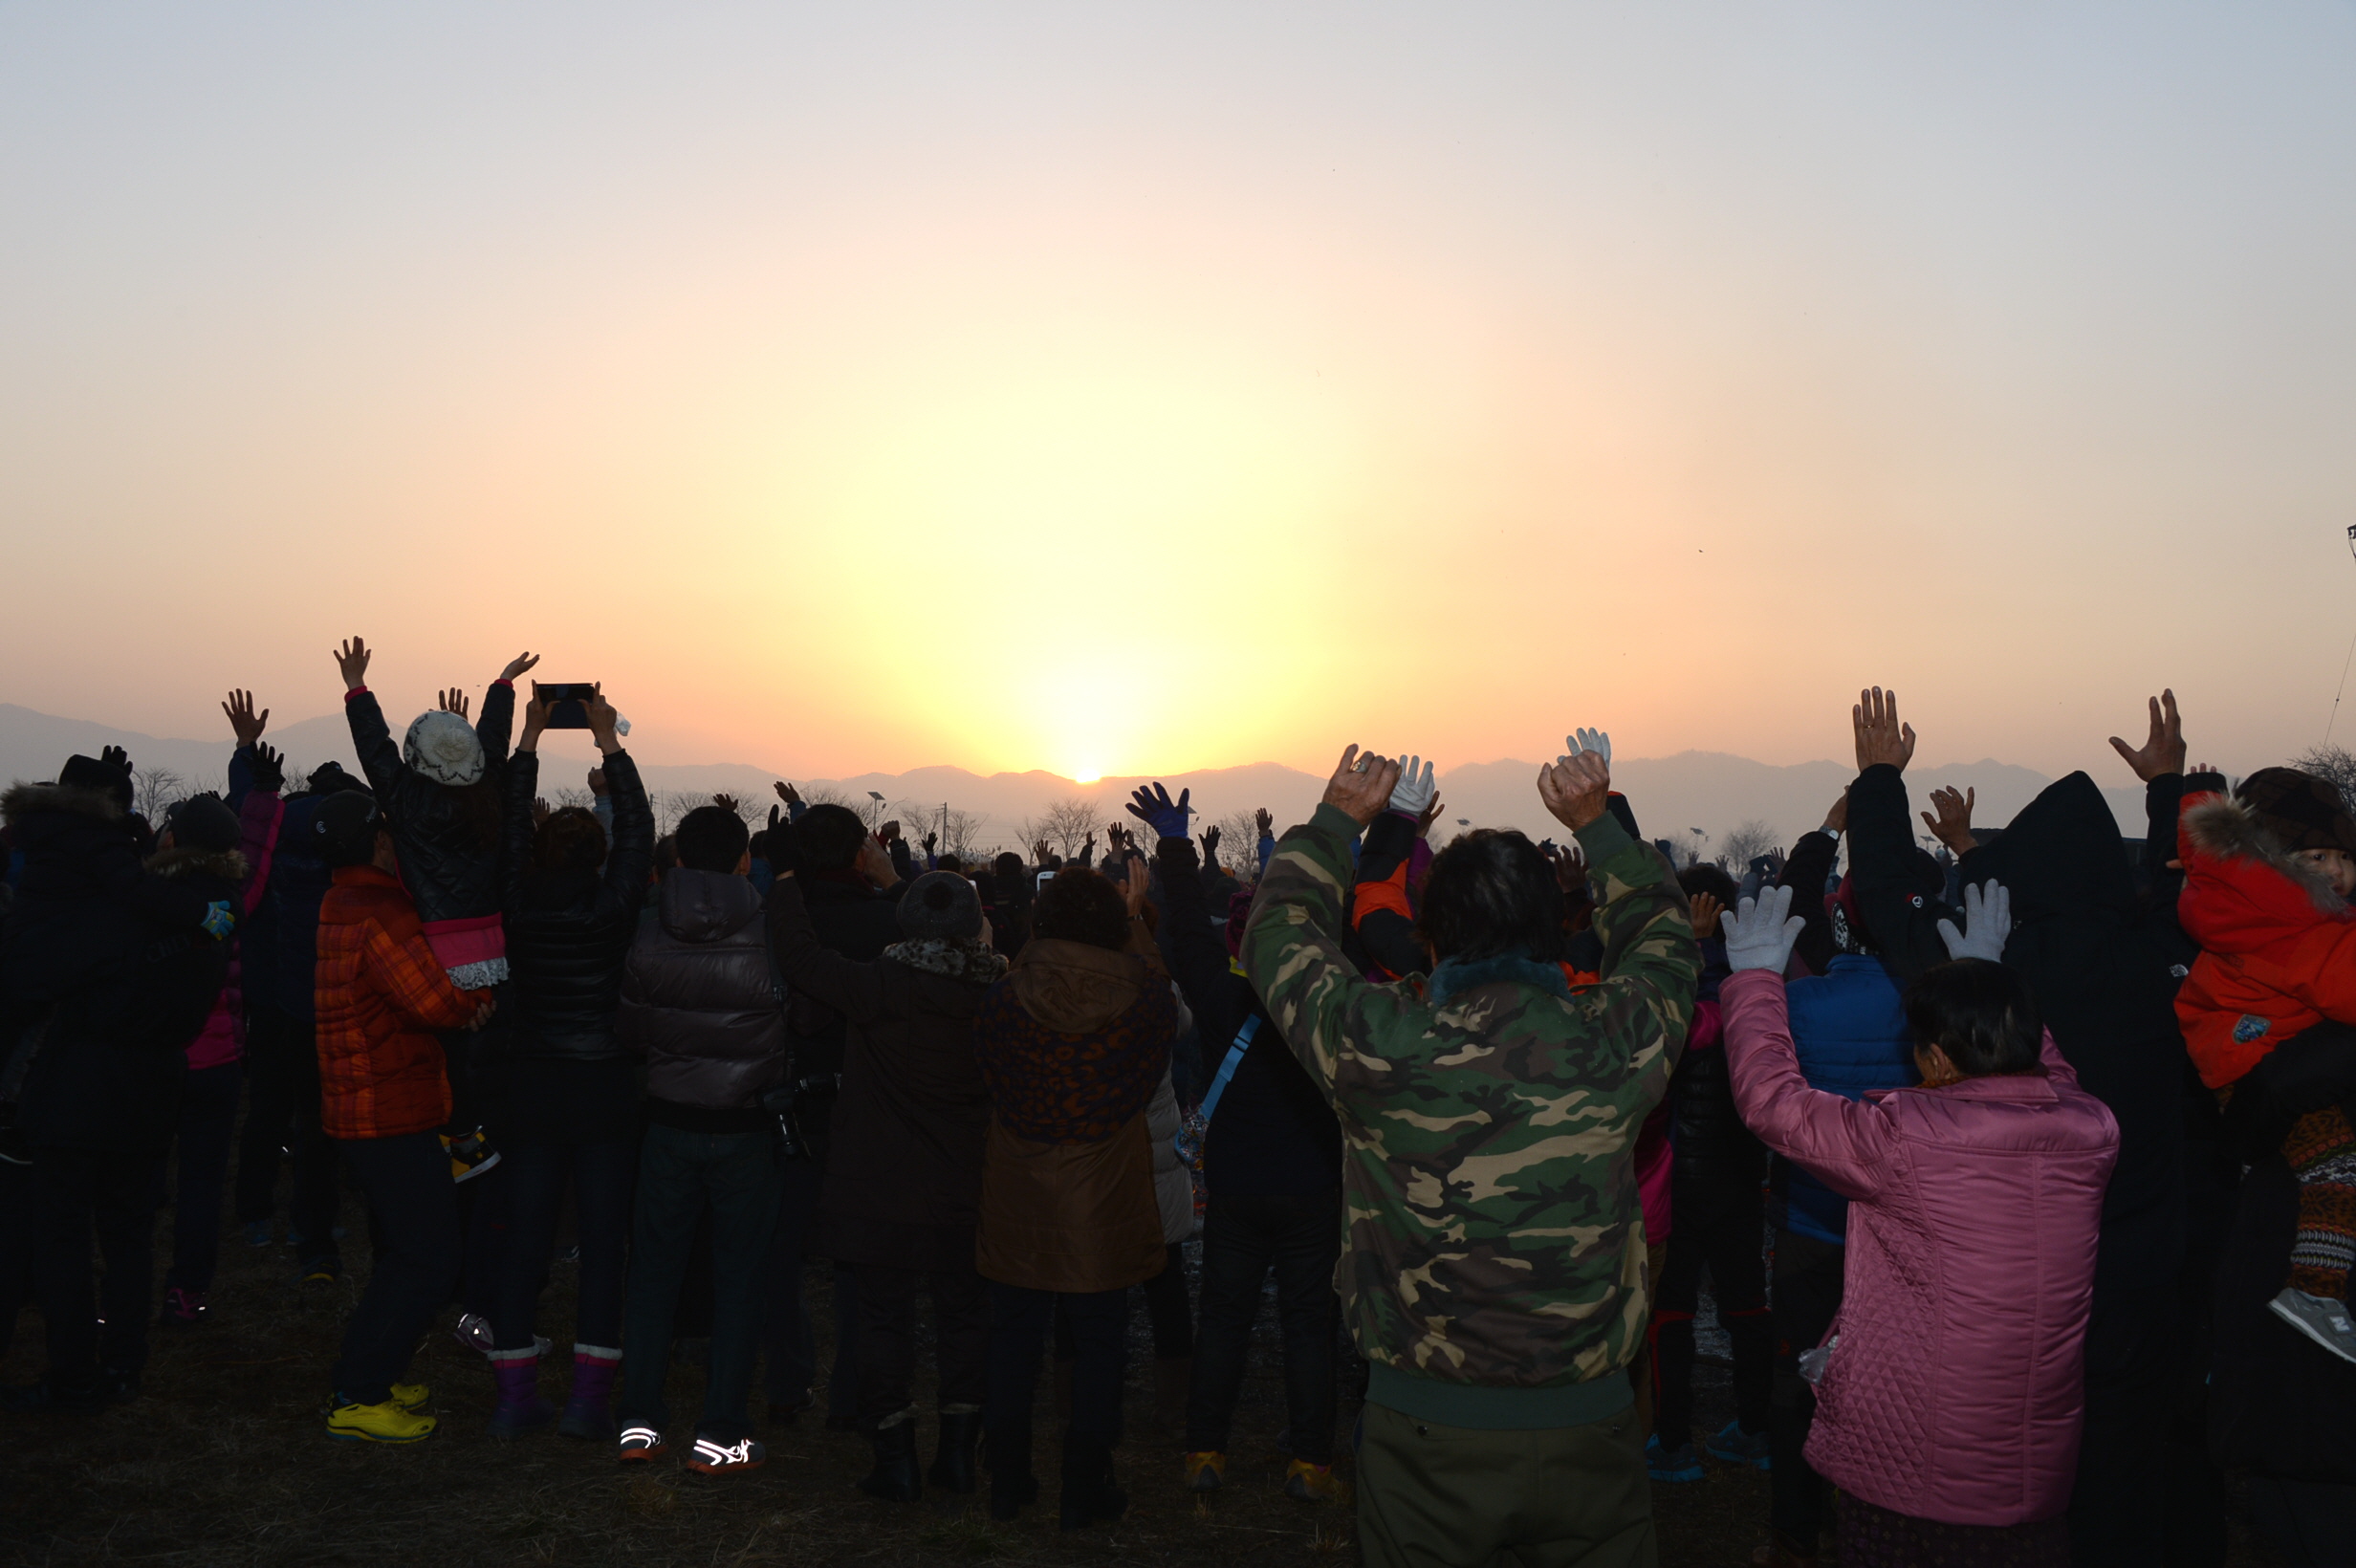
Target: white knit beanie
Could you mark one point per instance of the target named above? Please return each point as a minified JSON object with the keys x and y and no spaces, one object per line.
{"x":442,"y":746}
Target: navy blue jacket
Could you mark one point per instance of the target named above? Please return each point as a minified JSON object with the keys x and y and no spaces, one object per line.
{"x":1850,"y":1034}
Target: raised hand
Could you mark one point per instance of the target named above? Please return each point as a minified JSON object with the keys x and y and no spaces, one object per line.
{"x":1760,"y":934}
{"x":1415,"y":787}
{"x":888,"y":832}
{"x":596,"y":782}
{"x":1211,"y":845}
{"x":2162,"y":752}
{"x":930,"y":841}
{"x":1135,"y":883}
{"x":1588,"y":740}
{"x":604,"y":720}
{"x":874,"y":863}
{"x":269,"y":768}
{"x":1266,"y":823}
{"x":776,"y":814}
{"x":116,"y":756}
{"x":787,"y":792}
{"x":244,"y":723}
{"x":1575,"y":788}
{"x":1154,"y":808}
{"x":536,"y":712}
{"x":352,"y":662}
{"x":1706,"y":912}
{"x":452,"y":701}
{"x":1881,"y":738}
{"x":1953,"y":825}
{"x":1427,"y":816}
{"x":517,"y":666}
{"x":541,"y":811}
{"x":1836,"y":820}
{"x":1987,"y":923}
{"x":728,"y":804}
{"x":1360,"y":786}
{"x":1039,"y":853}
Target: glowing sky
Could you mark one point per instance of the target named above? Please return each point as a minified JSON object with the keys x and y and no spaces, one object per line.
{"x":1124,"y":388}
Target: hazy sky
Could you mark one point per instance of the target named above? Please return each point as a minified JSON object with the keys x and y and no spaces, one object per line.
{"x":1123,"y":387}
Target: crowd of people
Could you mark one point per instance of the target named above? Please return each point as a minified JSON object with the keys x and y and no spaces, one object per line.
{"x":2021,"y":1176}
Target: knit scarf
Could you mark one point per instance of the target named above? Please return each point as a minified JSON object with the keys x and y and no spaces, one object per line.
{"x":960,"y":958}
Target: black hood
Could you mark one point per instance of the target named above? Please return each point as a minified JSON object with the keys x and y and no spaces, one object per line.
{"x":2063,"y":856}
{"x":706,"y":905}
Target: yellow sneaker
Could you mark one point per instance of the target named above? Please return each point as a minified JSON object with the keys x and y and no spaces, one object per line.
{"x":1307,"y":1483}
{"x":385,"y":1423}
{"x":1205,"y":1470}
{"x":411,"y":1395}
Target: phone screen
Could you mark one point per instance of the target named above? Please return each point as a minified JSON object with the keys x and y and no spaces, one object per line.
{"x":569,"y":699}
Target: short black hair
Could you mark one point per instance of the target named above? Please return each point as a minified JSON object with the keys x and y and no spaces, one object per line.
{"x":828,"y":838}
{"x":1493,"y":894}
{"x":1078,"y":905}
{"x":1980,"y":1013}
{"x":571,"y":840}
{"x":712,"y":839}
{"x":1713,"y":879}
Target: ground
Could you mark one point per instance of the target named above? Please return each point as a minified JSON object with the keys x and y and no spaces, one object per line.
{"x":224,"y":1461}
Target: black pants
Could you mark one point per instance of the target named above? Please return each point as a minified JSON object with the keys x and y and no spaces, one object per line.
{"x":1719,"y":1225}
{"x":282,"y":1085}
{"x":1808,"y":1277}
{"x":72,"y":1192}
{"x":207,"y":1126}
{"x":2120,"y":1506}
{"x":1167,"y":1309}
{"x":413,"y":1213}
{"x":1243,"y":1239}
{"x":786,"y":1337}
{"x":888,"y":1338}
{"x":599,"y":1176}
{"x":1020,"y":1320}
{"x":15,"y":1248}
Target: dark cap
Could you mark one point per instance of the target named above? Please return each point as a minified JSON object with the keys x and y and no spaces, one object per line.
{"x":940,"y":903}
{"x":81,"y":772}
{"x":2300,"y":810}
{"x":203,"y":821}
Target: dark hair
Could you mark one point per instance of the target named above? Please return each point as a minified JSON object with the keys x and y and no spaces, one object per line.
{"x":571,"y":840}
{"x":712,"y":839}
{"x":1979,"y":1012}
{"x":1492,"y":894}
{"x":665,"y":853}
{"x":1711,"y":880}
{"x":828,"y":838}
{"x":950,"y":862}
{"x":1078,"y":905}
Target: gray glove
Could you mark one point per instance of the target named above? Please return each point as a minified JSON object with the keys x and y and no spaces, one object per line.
{"x":1588,"y":740}
{"x":1758,"y":935}
{"x":1987,"y":923}
{"x":1415,"y":788}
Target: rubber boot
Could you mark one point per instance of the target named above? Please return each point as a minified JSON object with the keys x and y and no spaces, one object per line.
{"x":1089,"y":1494}
{"x":520,"y":1408}
{"x":952,"y":1462}
{"x":1013,"y":1488}
{"x":895,"y":1477}
{"x":589,"y":1410}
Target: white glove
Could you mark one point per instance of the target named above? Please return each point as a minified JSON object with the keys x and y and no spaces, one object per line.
{"x":1414,"y":790}
{"x":1759,"y":936}
{"x":1987,"y":923}
{"x":1588,"y":740}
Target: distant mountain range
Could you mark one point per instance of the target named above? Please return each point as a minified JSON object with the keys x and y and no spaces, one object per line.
{"x":1702,"y":791}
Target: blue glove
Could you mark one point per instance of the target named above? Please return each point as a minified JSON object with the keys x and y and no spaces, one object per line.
{"x":1155,"y":809}
{"x":219,"y":923}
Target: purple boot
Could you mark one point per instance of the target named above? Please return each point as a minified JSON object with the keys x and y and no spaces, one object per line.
{"x":520,"y":1407}
{"x":589,"y":1414}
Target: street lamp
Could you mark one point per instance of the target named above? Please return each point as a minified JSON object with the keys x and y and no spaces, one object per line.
{"x":875,"y":815}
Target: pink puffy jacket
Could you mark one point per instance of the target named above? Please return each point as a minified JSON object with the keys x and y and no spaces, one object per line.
{"x":1957,"y":1388}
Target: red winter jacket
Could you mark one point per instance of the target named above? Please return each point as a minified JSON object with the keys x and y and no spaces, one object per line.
{"x":2278,"y":945}
{"x":379,"y":994}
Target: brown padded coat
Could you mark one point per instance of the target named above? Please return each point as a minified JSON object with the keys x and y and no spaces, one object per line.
{"x":698,"y":1001}
{"x":1071,"y":1217}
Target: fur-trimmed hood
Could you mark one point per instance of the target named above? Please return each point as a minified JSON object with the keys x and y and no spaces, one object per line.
{"x":2241,"y":891}
{"x":226,"y":863}
{"x":23,"y":800}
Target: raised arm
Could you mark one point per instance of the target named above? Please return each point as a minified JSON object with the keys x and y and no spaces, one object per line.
{"x":498,"y":720}
{"x":1842,"y":1143}
{"x":631,"y":851}
{"x":1881,"y":842}
{"x":1197,"y":954}
{"x":854,"y":990}
{"x":516,"y":827}
{"x":1805,"y":872}
{"x":1380,"y":912}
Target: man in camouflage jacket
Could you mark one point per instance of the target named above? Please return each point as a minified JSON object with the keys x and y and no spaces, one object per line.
{"x":1494,"y":1264}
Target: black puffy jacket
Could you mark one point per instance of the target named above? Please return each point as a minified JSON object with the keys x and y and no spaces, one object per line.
{"x":569,"y":932}
{"x":699,"y":999}
{"x":1712,"y":1145}
{"x":448,"y":836}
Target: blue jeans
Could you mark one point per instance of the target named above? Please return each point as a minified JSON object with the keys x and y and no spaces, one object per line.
{"x":678,"y":1173}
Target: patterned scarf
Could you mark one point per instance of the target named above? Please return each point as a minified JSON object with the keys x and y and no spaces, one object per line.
{"x":960,"y":958}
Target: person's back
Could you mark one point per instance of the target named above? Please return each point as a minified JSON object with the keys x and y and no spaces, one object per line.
{"x":1848,"y":1027}
{"x":699,"y":1004}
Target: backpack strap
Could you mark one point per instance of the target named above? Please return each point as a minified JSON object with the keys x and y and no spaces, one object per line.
{"x":1226,"y":1069}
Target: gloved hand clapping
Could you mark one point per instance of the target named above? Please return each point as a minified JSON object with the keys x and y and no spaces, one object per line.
{"x":1415,"y":787}
{"x":1761,"y":934}
{"x":1987,"y":923}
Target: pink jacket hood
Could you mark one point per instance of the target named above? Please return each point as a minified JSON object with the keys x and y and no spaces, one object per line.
{"x":1956,"y":1391}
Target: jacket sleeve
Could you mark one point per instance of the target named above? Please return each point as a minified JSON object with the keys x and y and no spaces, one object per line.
{"x":405,"y":969}
{"x":854,"y":990}
{"x":380,"y":758}
{"x":521,"y":787}
{"x":497,"y":722}
{"x":904,"y":866}
{"x":1881,"y":844}
{"x":1197,"y":954}
{"x":1805,"y":873}
{"x":1651,"y":963}
{"x":260,"y":820}
{"x":632,"y":829}
{"x":1379,"y":909}
{"x":1292,"y":952}
{"x":1843,"y":1144}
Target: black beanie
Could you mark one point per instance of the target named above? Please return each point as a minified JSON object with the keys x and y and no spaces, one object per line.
{"x":2300,"y":810}
{"x":940,"y":903}
{"x":203,"y":821}
{"x":343,"y":828}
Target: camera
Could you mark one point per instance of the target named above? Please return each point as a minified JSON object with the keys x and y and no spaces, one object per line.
{"x":784,"y":1103}
{"x":569,"y":700}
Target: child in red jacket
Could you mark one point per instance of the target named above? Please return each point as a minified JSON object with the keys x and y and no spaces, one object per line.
{"x":2267,"y":881}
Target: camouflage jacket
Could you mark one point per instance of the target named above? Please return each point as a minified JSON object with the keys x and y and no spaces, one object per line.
{"x":1494,"y":1235}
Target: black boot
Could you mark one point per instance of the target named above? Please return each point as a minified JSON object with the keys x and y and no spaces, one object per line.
{"x":1089,"y":1494}
{"x":953,"y":1465}
{"x":1013,"y":1487}
{"x":895,"y":1477}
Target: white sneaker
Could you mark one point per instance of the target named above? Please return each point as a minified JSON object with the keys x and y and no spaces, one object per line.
{"x":2319,"y":1318}
{"x":720,"y":1458}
